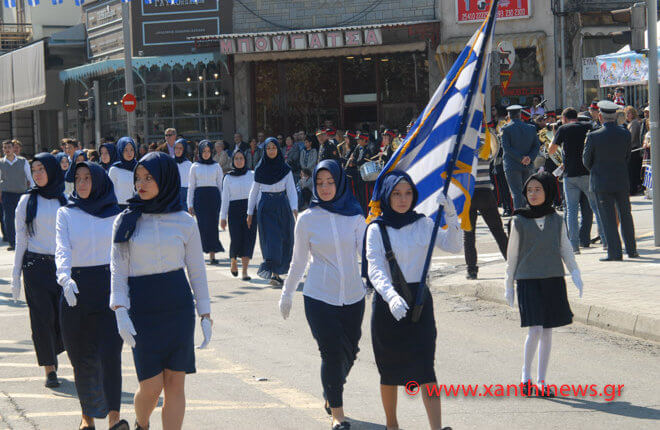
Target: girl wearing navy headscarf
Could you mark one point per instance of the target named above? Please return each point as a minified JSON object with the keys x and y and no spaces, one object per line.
{"x":121,"y":172}
{"x":91,"y":339}
{"x":78,"y":157}
{"x":153,"y":303}
{"x":108,"y":155}
{"x":63,"y":162}
{"x":235,"y":191}
{"x":35,"y":256}
{"x":184,"y":165}
{"x":404,"y":350}
{"x":275,"y":198}
{"x":331,"y":231}
{"x":204,"y":192}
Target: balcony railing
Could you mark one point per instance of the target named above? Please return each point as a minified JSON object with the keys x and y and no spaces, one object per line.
{"x":13,"y":36}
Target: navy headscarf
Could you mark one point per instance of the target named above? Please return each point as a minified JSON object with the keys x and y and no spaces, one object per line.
{"x":200,"y":149}
{"x":183,"y":158}
{"x":71,"y":173}
{"x":388,"y":215}
{"x":101,"y":202}
{"x":54,"y":189}
{"x":271,"y":170}
{"x":549,"y":184}
{"x":344,"y":202}
{"x":112,"y":152}
{"x":123,"y":164}
{"x":236,"y":171}
{"x":166,"y":174}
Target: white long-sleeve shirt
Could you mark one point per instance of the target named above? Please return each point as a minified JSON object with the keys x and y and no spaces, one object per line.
{"x":161,"y":243}
{"x":410,"y":245}
{"x":235,"y":188}
{"x":83,"y":240}
{"x":335,"y":244}
{"x":43,"y":239}
{"x":184,"y":172}
{"x":565,"y":249}
{"x":284,"y":184}
{"x":203,"y":175}
{"x":122,"y":180}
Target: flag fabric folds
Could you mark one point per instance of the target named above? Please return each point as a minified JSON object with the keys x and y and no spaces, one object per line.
{"x":33,"y":3}
{"x":10,"y":4}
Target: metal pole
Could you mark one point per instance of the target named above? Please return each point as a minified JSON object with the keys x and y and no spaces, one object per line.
{"x":654,"y":107}
{"x":97,"y":111}
{"x":562,"y":36}
{"x":128,"y":64}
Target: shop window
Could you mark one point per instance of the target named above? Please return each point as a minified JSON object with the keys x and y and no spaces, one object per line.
{"x":526,"y":80}
{"x":312,"y":94}
{"x":359,"y":79}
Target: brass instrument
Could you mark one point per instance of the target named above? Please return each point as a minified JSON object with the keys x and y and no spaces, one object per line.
{"x":546,"y":136}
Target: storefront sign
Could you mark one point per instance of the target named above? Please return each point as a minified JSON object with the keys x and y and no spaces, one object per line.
{"x":589,"y":69}
{"x":176,"y":32}
{"x":530,"y":91}
{"x":100,"y":15}
{"x":164,"y":7}
{"x":477,"y":10}
{"x":301,"y":41}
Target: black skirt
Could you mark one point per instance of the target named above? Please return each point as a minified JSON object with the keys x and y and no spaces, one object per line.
{"x":207,"y":211}
{"x":543,"y":302}
{"x":242,"y":237}
{"x":404,"y":350}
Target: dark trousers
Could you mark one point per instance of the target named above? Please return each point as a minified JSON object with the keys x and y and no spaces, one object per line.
{"x":2,"y":223}
{"x":484,"y":204}
{"x":337,"y":330}
{"x":587,"y":220}
{"x":635,"y":171}
{"x":502,"y":189}
{"x":9,"y":203}
{"x":608,"y":205}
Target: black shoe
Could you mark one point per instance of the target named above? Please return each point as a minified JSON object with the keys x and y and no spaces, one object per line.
{"x":137,"y":426}
{"x":528,"y":389}
{"x":213,"y":261}
{"x":471,"y":275}
{"x":52,"y":381}
{"x":545,"y":391}
{"x":121,"y":425}
{"x":234,"y":274}
{"x":10,"y":248}
{"x":344,"y":425}
{"x":506,"y":213}
{"x":246,"y":278}
{"x":634,"y":255}
{"x":611,"y":259}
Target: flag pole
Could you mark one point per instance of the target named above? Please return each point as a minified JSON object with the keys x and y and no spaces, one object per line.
{"x":419,"y":300}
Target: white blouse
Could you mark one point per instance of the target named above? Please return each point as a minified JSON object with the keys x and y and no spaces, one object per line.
{"x":83,"y":240}
{"x":68,"y":188}
{"x":235,"y":188}
{"x":565,"y":249}
{"x":335,"y":244}
{"x":43,"y":239}
{"x":122,"y":180}
{"x":203,"y":175}
{"x":161,"y":243}
{"x":410,"y":245}
{"x":285,"y":184}
{"x":184,"y":172}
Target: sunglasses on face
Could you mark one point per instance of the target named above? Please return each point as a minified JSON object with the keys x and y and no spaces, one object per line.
{"x":169,"y":135}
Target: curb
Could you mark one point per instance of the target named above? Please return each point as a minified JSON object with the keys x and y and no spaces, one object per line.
{"x":640,"y":326}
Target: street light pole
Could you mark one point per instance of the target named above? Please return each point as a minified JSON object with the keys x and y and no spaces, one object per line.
{"x":654,"y":107}
{"x":128,"y":64}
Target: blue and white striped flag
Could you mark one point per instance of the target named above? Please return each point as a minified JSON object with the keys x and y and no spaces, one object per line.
{"x":33,"y":3}
{"x":79,"y":2}
{"x":125,"y":1}
{"x":149,"y":1}
{"x":447,"y":129}
{"x":10,"y":3}
{"x":56,"y":2}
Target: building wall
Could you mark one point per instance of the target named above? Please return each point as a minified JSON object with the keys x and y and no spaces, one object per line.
{"x":47,"y":18}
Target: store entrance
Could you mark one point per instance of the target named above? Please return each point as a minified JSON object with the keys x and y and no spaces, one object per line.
{"x":361,"y":117}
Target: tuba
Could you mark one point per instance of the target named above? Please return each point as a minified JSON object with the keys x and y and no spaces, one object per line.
{"x":546,"y":136}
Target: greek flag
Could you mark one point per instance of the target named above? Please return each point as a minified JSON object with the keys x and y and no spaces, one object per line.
{"x":10,"y":3}
{"x":56,"y":2}
{"x":442,"y":143}
{"x":33,"y":3}
{"x":79,"y":2}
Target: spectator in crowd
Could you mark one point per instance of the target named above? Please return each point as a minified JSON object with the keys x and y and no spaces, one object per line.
{"x":253,"y":154}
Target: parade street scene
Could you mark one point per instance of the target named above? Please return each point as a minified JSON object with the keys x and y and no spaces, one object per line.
{"x":329,"y":214}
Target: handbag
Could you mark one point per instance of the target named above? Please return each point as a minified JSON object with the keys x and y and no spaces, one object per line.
{"x":398,"y":280}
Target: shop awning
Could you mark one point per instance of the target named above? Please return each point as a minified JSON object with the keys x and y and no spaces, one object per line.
{"x":106,"y":66}
{"x":23,"y":78}
{"x":625,"y":68}
{"x":518,"y":40}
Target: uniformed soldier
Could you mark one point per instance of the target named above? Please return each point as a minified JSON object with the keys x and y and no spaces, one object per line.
{"x":606,"y":155}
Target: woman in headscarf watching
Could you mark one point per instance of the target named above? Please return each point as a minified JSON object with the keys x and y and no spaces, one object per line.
{"x":108,"y":154}
{"x":235,"y":191}
{"x":84,"y":240}
{"x":184,"y":165}
{"x":153,"y":303}
{"x":204,"y":191}
{"x":78,"y":157}
{"x":63,"y":162}
{"x":404,"y":350}
{"x":121,"y":172}
{"x":35,"y":256}
{"x":275,"y":199}
{"x":331,"y":231}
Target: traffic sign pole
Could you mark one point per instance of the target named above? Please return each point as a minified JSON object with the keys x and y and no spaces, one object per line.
{"x":128,"y":65}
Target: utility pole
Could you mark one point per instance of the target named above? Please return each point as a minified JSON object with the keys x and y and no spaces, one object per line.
{"x":128,"y":64}
{"x":654,"y":107}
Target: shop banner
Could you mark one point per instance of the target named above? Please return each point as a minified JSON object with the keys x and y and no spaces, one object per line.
{"x":626,"y":68}
{"x":477,"y":10}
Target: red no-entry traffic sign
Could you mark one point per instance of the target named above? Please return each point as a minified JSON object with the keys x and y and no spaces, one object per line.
{"x":129,"y":102}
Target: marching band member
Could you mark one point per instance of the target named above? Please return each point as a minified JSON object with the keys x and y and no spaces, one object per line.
{"x":121,"y":171}
{"x":363,"y":152}
{"x":404,"y":350}
{"x":153,"y":241}
{"x":108,"y":154}
{"x":235,"y":192}
{"x":35,"y":250}
{"x":333,"y":292}
{"x":184,"y":165}
{"x":82,"y":256}
{"x":274,"y":196}
{"x":204,"y":188}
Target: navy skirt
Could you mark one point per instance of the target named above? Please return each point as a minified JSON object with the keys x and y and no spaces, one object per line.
{"x":242,"y":237}
{"x":404,"y":350}
{"x":276,"y":223}
{"x":207,"y":211}
{"x":183,"y":197}
{"x":89,"y":331}
{"x":42,"y":294}
{"x":543,"y":302}
{"x":163,"y":314}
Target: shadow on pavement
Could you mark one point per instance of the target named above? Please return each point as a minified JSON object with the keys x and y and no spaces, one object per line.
{"x":624,"y":409}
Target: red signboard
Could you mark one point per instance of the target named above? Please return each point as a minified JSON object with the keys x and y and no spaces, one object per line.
{"x":129,"y":102}
{"x":477,"y":10}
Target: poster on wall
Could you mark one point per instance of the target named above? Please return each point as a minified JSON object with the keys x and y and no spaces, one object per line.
{"x":476,"y":10}
{"x":626,"y":68}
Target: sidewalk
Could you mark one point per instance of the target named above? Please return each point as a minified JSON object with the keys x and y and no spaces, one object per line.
{"x":619,"y":296}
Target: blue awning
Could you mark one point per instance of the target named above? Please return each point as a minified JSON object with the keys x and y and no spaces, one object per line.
{"x":107,"y":66}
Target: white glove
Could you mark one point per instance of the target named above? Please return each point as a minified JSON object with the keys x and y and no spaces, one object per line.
{"x":577,"y":280}
{"x":398,"y":307}
{"x":448,"y":205}
{"x":207,"y":330}
{"x":69,"y":291}
{"x":285,"y":304}
{"x":125,"y":326}
{"x":16,"y":288}
{"x":508,"y":296}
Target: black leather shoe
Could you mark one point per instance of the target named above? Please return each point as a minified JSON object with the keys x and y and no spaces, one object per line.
{"x":610,"y":259}
{"x":545,"y":391}
{"x":344,"y":425}
{"x":471,"y":275}
{"x":52,"y":381}
{"x":634,"y":255}
{"x":234,"y":274}
{"x":121,"y":425}
{"x":137,"y":426}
